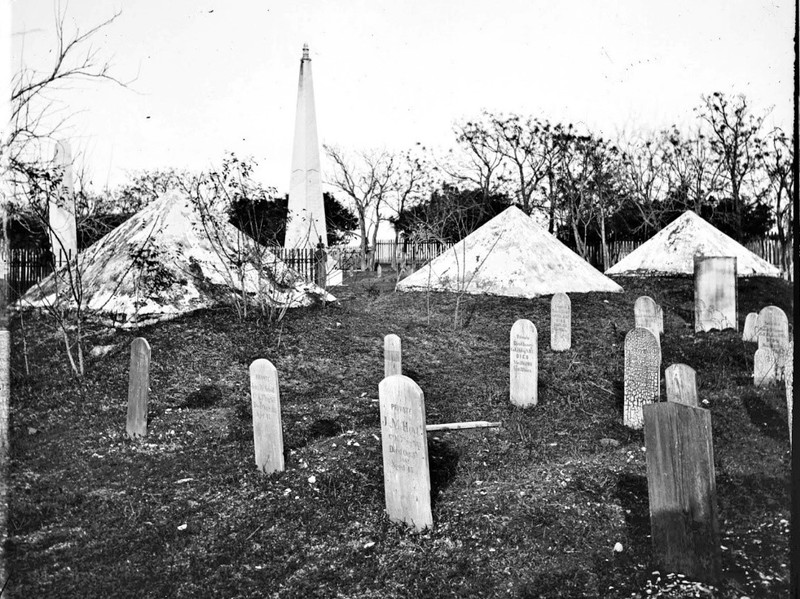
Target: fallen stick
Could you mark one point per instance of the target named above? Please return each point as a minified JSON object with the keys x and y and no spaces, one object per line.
{"x":457,"y":426}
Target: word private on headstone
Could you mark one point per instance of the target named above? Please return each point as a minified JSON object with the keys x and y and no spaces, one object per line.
{"x":765,"y":367}
{"x":267,"y":423}
{"x":773,"y":333}
{"x":645,"y":313}
{"x":524,"y":363}
{"x":750,"y":331}
{"x":642,"y":374}
{"x":138,"y":388}
{"x":406,"y":468}
{"x":682,"y":490}
{"x":392,"y":355}
{"x":681,"y":382}
{"x":560,"y":322}
{"x":714,"y":293}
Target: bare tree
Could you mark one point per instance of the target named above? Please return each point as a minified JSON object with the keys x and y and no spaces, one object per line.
{"x":367,"y":178}
{"x":777,"y":164}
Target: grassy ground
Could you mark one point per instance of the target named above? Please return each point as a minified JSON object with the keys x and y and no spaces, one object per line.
{"x":532,"y":509}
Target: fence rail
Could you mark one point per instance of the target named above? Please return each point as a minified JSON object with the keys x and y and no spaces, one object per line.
{"x":28,"y":266}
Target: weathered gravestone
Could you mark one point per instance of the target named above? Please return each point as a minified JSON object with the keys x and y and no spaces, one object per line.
{"x":682,"y":490}
{"x":750,"y":332}
{"x":765,"y":367}
{"x":645,"y":313}
{"x":642,"y":374}
{"x":560,"y":322}
{"x":681,"y":381}
{"x":773,"y":333}
{"x":524,"y":363}
{"x":788,"y":379}
{"x":380,"y":271}
{"x":5,"y":396}
{"x":138,"y":388}
{"x":714,"y":293}
{"x":660,"y":319}
{"x":406,"y":469}
{"x":392,"y":355}
{"x":267,"y":424}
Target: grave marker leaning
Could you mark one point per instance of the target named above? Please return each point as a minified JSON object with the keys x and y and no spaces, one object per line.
{"x":406,"y":469}
{"x":681,"y":382}
{"x":714,"y":293}
{"x":524,"y":363}
{"x":560,"y":322}
{"x":682,"y":490}
{"x":642,"y":374}
{"x":267,"y":423}
{"x":138,"y":388}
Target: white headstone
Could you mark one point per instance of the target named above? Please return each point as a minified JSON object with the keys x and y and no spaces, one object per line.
{"x":392,"y":355}
{"x":788,"y":379}
{"x":681,"y":382}
{"x":714,"y":293}
{"x":560,"y":322}
{"x":380,"y":271}
{"x":642,"y":374}
{"x":524,"y":364}
{"x":63,"y":230}
{"x":645,"y":312}
{"x":765,"y":367}
{"x":773,"y":333}
{"x":750,"y":332}
{"x":406,"y":469}
{"x":138,"y":388}
{"x":267,"y":424}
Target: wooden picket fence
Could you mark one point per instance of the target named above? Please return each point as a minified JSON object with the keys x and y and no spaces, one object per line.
{"x":28,"y":266}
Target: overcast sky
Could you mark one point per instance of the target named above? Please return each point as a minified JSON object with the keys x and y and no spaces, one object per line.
{"x":210,"y":76}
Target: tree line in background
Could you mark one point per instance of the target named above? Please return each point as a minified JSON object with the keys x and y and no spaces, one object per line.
{"x":583,"y":187}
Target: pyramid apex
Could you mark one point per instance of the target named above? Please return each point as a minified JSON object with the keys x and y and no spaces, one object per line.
{"x":305,"y":52}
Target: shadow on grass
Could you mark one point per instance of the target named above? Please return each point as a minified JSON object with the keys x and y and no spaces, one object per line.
{"x":443,"y":461}
{"x":766,"y":418}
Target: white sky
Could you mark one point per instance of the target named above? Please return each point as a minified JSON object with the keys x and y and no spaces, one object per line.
{"x":390,"y":73}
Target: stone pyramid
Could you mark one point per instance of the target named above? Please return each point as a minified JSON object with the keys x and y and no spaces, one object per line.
{"x":513,"y":256}
{"x":671,"y":251}
{"x":165,"y":261}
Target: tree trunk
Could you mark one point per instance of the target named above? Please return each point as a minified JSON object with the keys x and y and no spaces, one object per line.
{"x":603,"y":241}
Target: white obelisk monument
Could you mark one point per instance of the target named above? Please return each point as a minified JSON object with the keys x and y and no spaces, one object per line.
{"x":306,"y":226}
{"x":63,"y":231}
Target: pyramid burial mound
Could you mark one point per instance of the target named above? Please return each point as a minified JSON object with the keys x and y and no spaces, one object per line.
{"x":164,"y":262}
{"x":671,"y":251}
{"x":511,"y":256}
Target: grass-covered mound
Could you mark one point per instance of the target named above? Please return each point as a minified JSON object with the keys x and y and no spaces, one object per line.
{"x":533,"y":509}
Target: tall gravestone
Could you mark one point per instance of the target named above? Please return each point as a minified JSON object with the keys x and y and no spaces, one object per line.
{"x":267,"y":423}
{"x":714,"y":293}
{"x":560,"y":322}
{"x":645,"y":312}
{"x":681,"y":383}
{"x":750,"y":332}
{"x":392,"y":355}
{"x":642,"y":374}
{"x":524,"y":364}
{"x":773,"y":333}
{"x":138,"y":388}
{"x":682,"y":490}
{"x":765,"y":367}
{"x":406,"y":468}
{"x":788,"y":379}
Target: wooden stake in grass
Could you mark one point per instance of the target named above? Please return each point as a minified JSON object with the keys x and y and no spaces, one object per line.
{"x":406,"y":469}
{"x":138,"y":388}
{"x":392,"y":355}
{"x":461,"y":426}
{"x":267,"y":424}
{"x":682,"y":490}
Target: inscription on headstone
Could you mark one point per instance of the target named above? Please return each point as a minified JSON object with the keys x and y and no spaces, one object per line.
{"x":681,"y":382}
{"x":750,"y":331}
{"x":267,"y":424}
{"x":138,"y":388}
{"x":714,"y":293}
{"x":645,"y":313}
{"x":642,"y":374}
{"x":392,"y":355}
{"x":406,"y":469}
{"x":765,"y":367}
{"x":560,"y":322}
{"x":524,"y":363}
{"x":682,"y":490}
